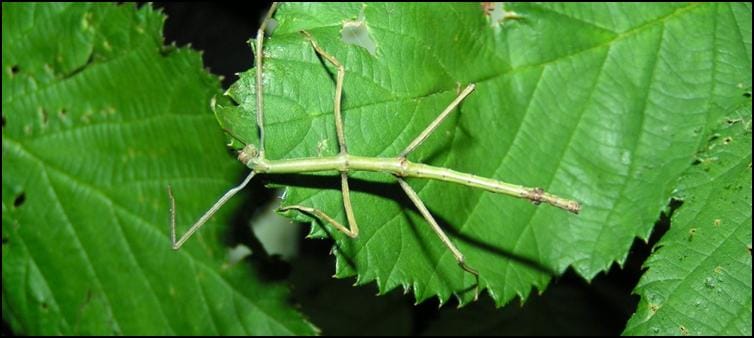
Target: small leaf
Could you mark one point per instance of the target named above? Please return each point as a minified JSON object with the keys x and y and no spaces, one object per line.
{"x":98,"y":119}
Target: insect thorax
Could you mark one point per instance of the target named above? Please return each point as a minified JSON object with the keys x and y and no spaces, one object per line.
{"x":252,"y":158}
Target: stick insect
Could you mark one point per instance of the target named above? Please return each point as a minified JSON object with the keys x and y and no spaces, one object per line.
{"x":344,"y":163}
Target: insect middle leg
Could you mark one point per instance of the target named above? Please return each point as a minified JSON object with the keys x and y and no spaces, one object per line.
{"x":353,"y":229}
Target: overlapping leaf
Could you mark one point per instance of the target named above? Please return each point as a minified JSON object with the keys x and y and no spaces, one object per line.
{"x":98,"y":118}
{"x":699,"y":281}
{"x":603,"y":103}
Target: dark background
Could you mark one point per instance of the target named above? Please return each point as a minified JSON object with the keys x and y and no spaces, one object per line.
{"x":220,"y":30}
{"x":569,"y":306}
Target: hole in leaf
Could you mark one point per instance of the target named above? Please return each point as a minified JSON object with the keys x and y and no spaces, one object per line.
{"x":497,"y":14}
{"x":20,"y":199}
{"x":747,"y":94}
{"x":14,"y":69}
{"x":5,"y":240}
{"x":355,"y":32}
{"x":728,"y":140}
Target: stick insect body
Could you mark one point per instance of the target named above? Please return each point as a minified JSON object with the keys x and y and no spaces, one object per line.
{"x":400,"y":167}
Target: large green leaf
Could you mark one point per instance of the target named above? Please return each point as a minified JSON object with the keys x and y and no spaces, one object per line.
{"x":98,"y":118}
{"x":699,"y":281}
{"x":602,"y":103}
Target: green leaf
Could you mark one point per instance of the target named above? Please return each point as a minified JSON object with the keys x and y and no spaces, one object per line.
{"x":602,"y":103}
{"x":699,"y":280}
{"x":98,"y":118}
